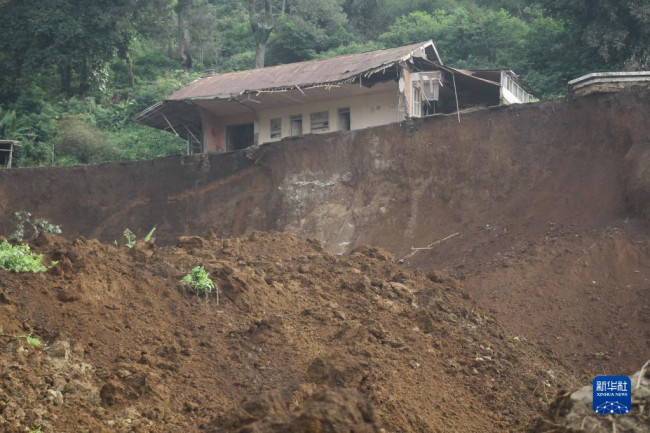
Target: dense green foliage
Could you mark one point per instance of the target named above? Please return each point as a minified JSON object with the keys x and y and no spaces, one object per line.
{"x":19,"y":258}
{"x":74,"y":72}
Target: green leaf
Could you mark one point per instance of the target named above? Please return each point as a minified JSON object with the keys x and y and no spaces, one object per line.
{"x":200,"y":282}
{"x":148,"y":237}
{"x":130,"y":238}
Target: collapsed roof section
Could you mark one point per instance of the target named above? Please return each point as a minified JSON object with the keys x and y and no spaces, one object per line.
{"x":461,"y":85}
{"x":316,"y":73}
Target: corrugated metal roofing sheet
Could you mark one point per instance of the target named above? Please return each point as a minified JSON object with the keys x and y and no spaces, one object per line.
{"x":304,"y":74}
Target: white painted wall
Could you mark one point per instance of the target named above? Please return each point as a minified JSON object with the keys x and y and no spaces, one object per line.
{"x":365,"y":111}
{"x":512,"y":92}
{"x":508,"y":97}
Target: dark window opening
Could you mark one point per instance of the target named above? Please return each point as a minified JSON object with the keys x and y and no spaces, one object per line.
{"x":428,"y":108}
{"x":276,"y":128}
{"x":344,"y":119}
{"x":240,"y":136}
{"x":320,"y":122}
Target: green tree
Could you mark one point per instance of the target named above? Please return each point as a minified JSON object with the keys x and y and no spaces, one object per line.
{"x":371,"y":17}
{"x":618,"y":29}
{"x":183,"y":9}
{"x":80,"y":36}
{"x":262,"y":18}
{"x":553,"y":55}
{"x":474,"y":37}
{"x":16,"y":45}
{"x":204,"y":33}
{"x":306,"y":28}
{"x":76,"y":38}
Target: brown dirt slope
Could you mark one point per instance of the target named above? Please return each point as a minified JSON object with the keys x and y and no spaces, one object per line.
{"x":327,"y":343}
{"x":585,"y":293}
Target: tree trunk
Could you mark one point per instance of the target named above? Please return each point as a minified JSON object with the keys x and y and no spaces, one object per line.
{"x":170,"y":45}
{"x":66,"y":80}
{"x":187,"y":60}
{"x":260,"y":53}
{"x":84,"y":78}
{"x":20,"y":60}
{"x":184,"y":52}
{"x":261,"y":28}
{"x":129,"y":68}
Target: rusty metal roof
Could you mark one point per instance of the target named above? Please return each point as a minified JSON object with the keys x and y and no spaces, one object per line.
{"x":313,"y":73}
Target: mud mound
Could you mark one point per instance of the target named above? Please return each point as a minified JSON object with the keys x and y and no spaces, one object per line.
{"x":127,"y":349}
{"x":326,"y":411}
{"x":573,"y":412}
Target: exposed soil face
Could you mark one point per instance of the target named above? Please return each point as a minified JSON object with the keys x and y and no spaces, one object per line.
{"x":548,"y":205}
{"x":329,"y":343}
{"x":585,"y":293}
{"x":582,"y":162}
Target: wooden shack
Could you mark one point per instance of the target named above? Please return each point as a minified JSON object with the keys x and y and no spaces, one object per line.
{"x":7,"y":151}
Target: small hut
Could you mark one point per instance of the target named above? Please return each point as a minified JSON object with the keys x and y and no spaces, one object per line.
{"x":7,"y":152}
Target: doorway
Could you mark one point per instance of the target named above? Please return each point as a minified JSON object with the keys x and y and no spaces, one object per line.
{"x":296,"y":124}
{"x":240,"y":137}
{"x":344,"y":119}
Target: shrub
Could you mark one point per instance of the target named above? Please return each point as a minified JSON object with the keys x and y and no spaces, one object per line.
{"x":199,"y":281}
{"x":79,"y":141}
{"x":239,"y":62}
{"x":44,"y":226}
{"x":142,"y":142}
{"x":19,"y":258}
{"x":130,"y":238}
{"x":25,"y":229}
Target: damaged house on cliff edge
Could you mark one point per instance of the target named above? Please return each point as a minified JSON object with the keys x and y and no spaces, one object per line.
{"x":226,"y":112}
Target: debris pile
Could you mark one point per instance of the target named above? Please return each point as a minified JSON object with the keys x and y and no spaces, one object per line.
{"x":574,"y":413}
{"x":309,"y":341}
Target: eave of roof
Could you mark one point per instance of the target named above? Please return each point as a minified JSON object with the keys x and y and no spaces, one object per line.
{"x":14,"y":142}
{"x":621,"y":76}
{"x":512,"y":74}
{"x":325,"y":72}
